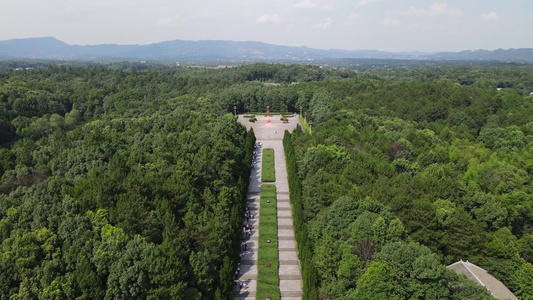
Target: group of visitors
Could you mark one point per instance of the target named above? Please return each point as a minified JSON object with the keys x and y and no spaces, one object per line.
{"x":246,"y":233}
{"x":247,"y":228}
{"x":254,"y":157}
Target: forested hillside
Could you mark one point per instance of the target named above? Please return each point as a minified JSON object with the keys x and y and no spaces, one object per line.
{"x":130,"y":184}
{"x":403,"y":176}
{"x":118,"y":186}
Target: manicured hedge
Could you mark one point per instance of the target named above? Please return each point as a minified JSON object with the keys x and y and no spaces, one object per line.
{"x":309,"y":272}
{"x":304,"y":123}
{"x":267,"y":277}
{"x":226,"y":271}
{"x":268,"y":172}
{"x":273,"y":113}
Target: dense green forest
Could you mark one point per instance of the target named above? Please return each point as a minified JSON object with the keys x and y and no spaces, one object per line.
{"x":125,"y":182}
{"x":403,"y":174}
{"x":118,"y":186}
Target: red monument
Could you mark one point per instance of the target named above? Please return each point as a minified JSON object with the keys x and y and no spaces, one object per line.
{"x":268,"y":114}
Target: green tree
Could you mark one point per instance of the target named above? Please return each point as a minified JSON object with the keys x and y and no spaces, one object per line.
{"x":350,"y":267}
{"x":203,"y":272}
{"x":129,"y":276}
{"x":326,"y":258}
{"x":376,"y":283}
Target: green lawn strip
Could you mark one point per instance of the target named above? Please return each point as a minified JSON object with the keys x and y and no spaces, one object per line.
{"x":267,"y":277}
{"x":268,"y":173}
{"x":304,"y":123}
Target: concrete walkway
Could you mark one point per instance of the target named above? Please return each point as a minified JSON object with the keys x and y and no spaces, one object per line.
{"x":270,"y":135}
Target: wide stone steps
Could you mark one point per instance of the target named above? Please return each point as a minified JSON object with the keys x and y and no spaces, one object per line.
{"x":289,"y":262}
{"x":290,"y":277}
{"x":243,"y":294}
{"x":291,"y":294}
{"x":248,"y":262}
{"x":287,"y":250}
{"x":285,"y":227}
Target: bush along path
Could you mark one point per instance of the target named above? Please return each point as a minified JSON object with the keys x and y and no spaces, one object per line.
{"x":309,"y":273}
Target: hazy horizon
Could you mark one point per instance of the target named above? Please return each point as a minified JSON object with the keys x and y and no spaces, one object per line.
{"x":252,"y":41}
{"x":384,"y":25}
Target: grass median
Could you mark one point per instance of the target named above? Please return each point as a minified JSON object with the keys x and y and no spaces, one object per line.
{"x":268,"y":173}
{"x":267,"y":276}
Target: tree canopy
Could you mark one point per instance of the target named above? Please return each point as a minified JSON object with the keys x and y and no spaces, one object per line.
{"x":128,"y":181}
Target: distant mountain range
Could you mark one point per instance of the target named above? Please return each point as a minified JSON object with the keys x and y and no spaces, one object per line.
{"x":49,"y":48}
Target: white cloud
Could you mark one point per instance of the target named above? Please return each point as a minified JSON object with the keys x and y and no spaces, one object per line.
{"x":436,"y":9}
{"x":299,"y":20}
{"x":305,"y":4}
{"x":274,"y":19}
{"x":169,"y":21}
{"x":490,"y":16}
{"x":391,"y":22}
{"x":428,"y":25}
{"x":367,"y":2}
{"x":419,"y":27}
{"x":308,"y":4}
{"x":353,"y":17}
{"x":324,"y":25}
{"x":328,"y":7}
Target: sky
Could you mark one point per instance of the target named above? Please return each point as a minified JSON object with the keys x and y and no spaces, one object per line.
{"x":386,"y":25}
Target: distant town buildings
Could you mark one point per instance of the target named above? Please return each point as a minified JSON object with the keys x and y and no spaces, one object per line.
{"x":220,"y":67}
{"x":271,"y":84}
